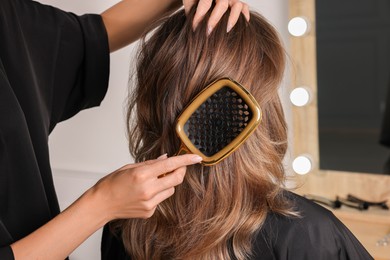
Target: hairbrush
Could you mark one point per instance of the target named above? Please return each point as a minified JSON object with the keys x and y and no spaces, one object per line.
{"x":217,"y":121}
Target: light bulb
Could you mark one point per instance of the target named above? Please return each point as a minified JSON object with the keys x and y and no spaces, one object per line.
{"x":300,"y":96}
{"x":302,"y":165}
{"x":298,"y":26}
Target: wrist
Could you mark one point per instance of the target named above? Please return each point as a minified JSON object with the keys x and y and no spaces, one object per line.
{"x":61,"y":235}
{"x":96,"y":207}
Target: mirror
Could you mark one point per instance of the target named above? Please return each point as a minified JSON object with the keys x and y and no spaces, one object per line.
{"x":341,"y":127}
{"x":353,"y":83}
{"x":305,"y":141}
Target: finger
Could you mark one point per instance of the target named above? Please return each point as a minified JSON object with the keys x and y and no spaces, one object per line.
{"x":172,"y":179}
{"x":220,"y":8}
{"x":157,"y":199}
{"x":170,"y":164}
{"x":163,"y":195}
{"x":188,"y":5}
{"x":163,"y":188}
{"x":148,"y":162}
{"x":147,"y":214}
{"x":235,"y":12}
{"x":163,"y":156}
{"x":159,"y":185}
{"x":245,"y":11}
{"x":201,"y":10}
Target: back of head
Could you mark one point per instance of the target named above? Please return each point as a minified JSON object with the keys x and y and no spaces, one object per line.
{"x":217,"y":210}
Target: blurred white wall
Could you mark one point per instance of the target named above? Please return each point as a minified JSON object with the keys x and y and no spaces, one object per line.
{"x":93,"y":143}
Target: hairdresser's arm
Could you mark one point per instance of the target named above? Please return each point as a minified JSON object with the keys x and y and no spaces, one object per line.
{"x":133,"y":191}
{"x":126,"y":21}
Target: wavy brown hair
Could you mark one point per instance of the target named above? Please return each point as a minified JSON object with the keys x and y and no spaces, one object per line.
{"x":218,"y":210}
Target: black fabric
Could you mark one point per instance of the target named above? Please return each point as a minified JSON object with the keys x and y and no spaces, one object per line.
{"x":52,"y":65}
{"x":6,"y":253}
{"x":112,"y":247}
{"x":384,"y":137}
{"x":385,"y":130}
{"x":317,"y":234}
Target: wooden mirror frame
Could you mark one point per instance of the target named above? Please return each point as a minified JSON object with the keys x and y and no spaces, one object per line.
{"x":368,"y":226}
{"x":305,"y":123}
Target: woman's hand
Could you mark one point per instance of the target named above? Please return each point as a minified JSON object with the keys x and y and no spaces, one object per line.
{"x":221,"y":6}
{"x":126,"y":21}
{"x":135,"y":190}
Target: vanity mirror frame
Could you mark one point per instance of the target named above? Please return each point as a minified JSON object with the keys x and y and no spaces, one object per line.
{"x":368,"y":226}
{"x":305,"y":140}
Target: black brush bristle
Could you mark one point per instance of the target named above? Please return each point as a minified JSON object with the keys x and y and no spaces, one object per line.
{"x":220,"y":119}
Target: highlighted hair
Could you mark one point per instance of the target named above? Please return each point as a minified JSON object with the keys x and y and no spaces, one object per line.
{"x":218,"y":210}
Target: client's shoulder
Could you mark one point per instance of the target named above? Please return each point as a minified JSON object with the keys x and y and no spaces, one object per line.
{"x":308,"y":214}
{"x":307,"y":209}
{"x":314,"y":233}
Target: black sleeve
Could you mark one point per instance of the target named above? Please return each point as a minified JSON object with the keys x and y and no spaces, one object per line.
{"x":5,"y":237}
{"x":56,"y":56}
{"x":6,"y":253}
{"x":55,"y":64}
{"x":91,"y":79}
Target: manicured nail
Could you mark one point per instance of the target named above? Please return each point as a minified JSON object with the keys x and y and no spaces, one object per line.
{"x":209,"y":30}
{"x":229,"y":27}
{"x":163,"y":156}
{"x":196,"y":159}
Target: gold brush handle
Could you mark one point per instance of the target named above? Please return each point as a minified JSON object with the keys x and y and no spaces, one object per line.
{"x":182,"y":150}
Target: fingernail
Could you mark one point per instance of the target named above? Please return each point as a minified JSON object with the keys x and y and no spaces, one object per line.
{"x":163,"y":156}
{"x":194,"y":25}
{"x":209,"y":30}
{"x":196,"y":159}
{"x":229,"y":27}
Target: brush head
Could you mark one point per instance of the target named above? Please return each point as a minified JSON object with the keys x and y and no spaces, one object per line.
{"x":218,"y":120}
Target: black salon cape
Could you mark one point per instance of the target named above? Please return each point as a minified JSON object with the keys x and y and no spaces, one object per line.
{"x":316,"y":235}
{"x":52,"y":65}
